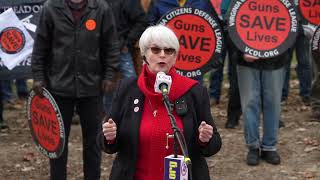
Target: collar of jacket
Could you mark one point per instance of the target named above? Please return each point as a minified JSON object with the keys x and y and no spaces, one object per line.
{"x":61,"y":3}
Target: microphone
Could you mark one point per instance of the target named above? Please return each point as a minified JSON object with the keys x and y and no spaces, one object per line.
{"x":176,"y":166}
{"x":163,"y":83}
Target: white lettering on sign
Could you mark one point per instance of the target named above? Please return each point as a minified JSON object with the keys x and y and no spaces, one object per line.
{"x":23,"y":9}
{"x":206,"y":16}
{"x":190,"y":73}
{"x":259,"y":54}
{"x":219,"y":40}
{"x":315,"y":43}
{"x":294,"y":22}
{"x":233,"y":13}
{"x":178,"y":12}
{"x":286,"y":3}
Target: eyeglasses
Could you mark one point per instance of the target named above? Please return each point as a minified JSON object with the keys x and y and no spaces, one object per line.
{"x":167,"y":51}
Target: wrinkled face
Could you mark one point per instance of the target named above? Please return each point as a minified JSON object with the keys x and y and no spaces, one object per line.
{"x":160,"y":58}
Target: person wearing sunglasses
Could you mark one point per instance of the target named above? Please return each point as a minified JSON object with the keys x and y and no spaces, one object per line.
{"x":139,"y":128}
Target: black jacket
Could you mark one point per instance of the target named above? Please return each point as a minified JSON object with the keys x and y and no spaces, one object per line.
{"x":72,"y":58}
{"x":128,"y":123}
{"x":130,"y":19}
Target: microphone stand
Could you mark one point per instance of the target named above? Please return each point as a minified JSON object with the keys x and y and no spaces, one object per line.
{"x":178,"y":136}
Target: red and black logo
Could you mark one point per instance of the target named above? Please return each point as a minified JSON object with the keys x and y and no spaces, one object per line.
{"x":315,"y":46}
{"x":310,"y":11}
{"x":200,"y":37}
{"x":46,"y":124}
{"x":12,"y":40}
{"x":263,"y":29}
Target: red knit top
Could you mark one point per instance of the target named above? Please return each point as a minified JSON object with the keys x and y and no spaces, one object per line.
{"x":155,"y":124}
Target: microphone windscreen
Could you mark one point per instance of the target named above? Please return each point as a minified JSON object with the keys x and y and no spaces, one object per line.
{"x":162,"y":79}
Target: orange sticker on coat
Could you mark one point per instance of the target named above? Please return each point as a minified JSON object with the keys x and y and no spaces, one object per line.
{"x":91,"y":24}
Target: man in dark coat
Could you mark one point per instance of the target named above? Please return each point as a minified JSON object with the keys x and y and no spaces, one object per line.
{"x":75,"y":57}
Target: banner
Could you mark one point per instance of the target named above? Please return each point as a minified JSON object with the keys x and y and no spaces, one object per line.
{"x":21,"y":71}
{"x":46,"y":124}
{"x":263,"y":29}
{"x":28,"y":12}
{"x":310,"y":11}
{"x":15,"y":42}
{"x":201,"y":40}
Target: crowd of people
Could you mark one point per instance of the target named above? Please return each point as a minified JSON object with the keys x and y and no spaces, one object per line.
{"x":84,"y":54}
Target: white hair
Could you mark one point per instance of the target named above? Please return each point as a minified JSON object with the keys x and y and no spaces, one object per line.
{"x":159,"y":35}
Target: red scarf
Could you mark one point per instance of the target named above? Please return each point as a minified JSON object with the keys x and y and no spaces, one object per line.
{"x":180,"y":84}
{"x":153,"y":129}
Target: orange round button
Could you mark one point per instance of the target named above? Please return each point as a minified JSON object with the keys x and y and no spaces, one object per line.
{"x":91,"y":24}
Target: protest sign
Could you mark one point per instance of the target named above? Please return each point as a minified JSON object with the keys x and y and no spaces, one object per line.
{"x":15,"y":41}
{"x":28,"y":12}
{"x":46,"y":124}
{"x":200,"y":37}
{"x":263,"y":29}
{"x":310,"y":11}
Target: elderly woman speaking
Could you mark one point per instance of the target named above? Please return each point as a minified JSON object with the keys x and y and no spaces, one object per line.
{"x":139,"y":125}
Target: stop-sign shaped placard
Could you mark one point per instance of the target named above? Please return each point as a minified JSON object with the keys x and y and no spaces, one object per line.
{"x":46,"y":125}
{"x":315,"y":46}
{"x":310,"y":11}
{"x":263,"y":29}
{"x":200,"y":37}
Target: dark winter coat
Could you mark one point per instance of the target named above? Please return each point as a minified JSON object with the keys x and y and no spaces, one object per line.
{"x":130,"y":19}
{"x":72,"y":58}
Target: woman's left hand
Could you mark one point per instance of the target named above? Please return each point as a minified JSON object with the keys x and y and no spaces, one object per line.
{"x":205,"y":132}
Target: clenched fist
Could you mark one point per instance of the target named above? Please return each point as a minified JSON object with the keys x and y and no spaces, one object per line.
{"x":109,"y":130}
{"x":205,"y":132}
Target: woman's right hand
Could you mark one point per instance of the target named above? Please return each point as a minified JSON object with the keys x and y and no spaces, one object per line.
{"x":109,"y":129}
